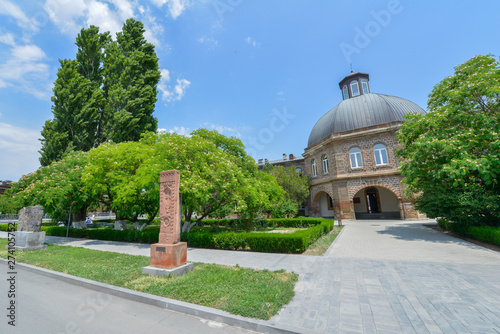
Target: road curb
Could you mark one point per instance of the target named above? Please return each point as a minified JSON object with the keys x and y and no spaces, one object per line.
{"x":166,"y":303}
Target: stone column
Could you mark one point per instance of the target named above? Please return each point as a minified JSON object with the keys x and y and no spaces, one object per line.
{"x":169,"y":255}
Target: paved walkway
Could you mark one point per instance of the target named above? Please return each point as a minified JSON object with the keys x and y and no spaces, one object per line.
{"x":377,"y":277}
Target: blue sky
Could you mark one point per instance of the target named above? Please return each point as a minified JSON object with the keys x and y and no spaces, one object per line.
{"x":263,"y":71}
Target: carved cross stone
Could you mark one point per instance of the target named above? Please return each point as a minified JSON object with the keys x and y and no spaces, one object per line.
{"x":170,"y":228}
{"x":169,"y":252}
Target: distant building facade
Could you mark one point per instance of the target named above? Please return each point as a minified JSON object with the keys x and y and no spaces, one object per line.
{"x":4,"y":186}
{"x":350,"y":156}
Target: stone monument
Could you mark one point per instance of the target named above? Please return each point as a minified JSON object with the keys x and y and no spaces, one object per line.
{"x":28,"y":236}
{"x":169,"y":255}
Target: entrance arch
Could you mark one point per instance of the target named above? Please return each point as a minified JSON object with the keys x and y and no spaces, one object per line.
{"x":376,"y":202}
{"x":324,"y":203}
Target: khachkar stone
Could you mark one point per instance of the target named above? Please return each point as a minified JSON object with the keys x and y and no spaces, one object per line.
{"x":28,"y":236}
{"x":169,"y":255}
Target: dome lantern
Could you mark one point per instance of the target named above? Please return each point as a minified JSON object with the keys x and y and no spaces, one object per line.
{"x":355,"y":84}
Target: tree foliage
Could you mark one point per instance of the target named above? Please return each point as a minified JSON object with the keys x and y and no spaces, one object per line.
{"x":451,"y":155}
{"x":107,"y":93}
{"x":56,"y":187}
{"x":296,"y":190}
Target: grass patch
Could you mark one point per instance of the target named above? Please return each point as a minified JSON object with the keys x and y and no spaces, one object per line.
{"x":320,"y":246}
{"x":251,"y":293}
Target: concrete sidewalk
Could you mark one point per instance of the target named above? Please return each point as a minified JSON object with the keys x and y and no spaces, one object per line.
{"x":377,"y":277}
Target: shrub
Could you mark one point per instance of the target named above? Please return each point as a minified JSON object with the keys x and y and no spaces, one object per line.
{"x":481,"y":233}
{"x":203,"y":237}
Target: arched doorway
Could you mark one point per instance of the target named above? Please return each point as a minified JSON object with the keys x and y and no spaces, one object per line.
{"x":376,"y":203}
{"x":325,"y":205}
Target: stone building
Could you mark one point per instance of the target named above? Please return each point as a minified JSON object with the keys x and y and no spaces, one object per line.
{"x":350,"y":156}
{"x":4,"y":186}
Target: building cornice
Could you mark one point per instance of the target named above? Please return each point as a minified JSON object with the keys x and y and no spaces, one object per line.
{"x":346,"y":136}
{"x":344,"y":177}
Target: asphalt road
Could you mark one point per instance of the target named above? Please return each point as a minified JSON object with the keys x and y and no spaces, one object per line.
{"x":47,"y":305}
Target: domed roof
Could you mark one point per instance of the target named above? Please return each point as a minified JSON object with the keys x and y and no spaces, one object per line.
{"x":360,"y":112}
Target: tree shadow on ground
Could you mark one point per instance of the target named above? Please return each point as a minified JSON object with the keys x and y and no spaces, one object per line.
{"x":426,"y":232}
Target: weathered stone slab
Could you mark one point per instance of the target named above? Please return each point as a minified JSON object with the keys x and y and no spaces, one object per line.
{"x":30,"y":219}
{"x":28,"y":241}
{"x":79,"y":225}
{"x":176,"y":271}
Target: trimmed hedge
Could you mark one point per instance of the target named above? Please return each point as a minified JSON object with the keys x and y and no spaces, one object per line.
{"x":148,"y":237}
{"x":296,"y":242}
{"x":486,"y":234}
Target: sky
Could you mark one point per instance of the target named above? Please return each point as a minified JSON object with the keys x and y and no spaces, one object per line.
{"x":264,"y":71}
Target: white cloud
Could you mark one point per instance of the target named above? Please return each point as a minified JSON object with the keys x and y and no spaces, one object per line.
{"x":175,"y":7}
{"x":225,"y":130}
{"x":211,"y":42}
{"x":170,"y":94}
{"x":180,"y":88}
{"x":125,"y":8}
{"x":71,"y":16}
{"x":66,"y":16}
{"x":25,"y":70}
{"x":180,"y":130}
{"x":20,"y":147}
{"x":100,"y":15}
{"x":10,"y":9}
{"x":7,"y":39}
{"x":252,"y":42}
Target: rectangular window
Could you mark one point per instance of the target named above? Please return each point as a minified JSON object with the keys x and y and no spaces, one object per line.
{"x":365,"y":86}
{"x":356,"y":160}
{"x":381,"y":155}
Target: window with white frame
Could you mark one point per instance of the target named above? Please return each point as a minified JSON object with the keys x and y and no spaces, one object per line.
{"x":355,"y":156}
{"x":380,"y":154}
{"x":325,"y":164}
{"x":364,"y":84}
{"x":314,"y":172}
{"x":345,"y":92}
{"x":354,"y":88}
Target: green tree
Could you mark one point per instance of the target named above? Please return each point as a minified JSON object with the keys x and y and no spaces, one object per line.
{"x":57,"y":187}
{"x":7,"y":204}
{"x":111,"y":177}
{"x":107,"y":93}
{"x":131,"y":74}
{"x":211,"y":172}
{"x":296,"y":189}
{"x":451,"y":155}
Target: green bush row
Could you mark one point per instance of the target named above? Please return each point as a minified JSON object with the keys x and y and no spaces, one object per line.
{"x":302,"y":222}
{"x":296,"y":242}
{"x":147,"y":237}
{"x":486,"y":234}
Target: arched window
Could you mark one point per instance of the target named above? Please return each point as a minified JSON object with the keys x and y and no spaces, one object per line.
{"x":354,"y":88}
{"x":314,"y":172}
{"x":355,"y":156}
{"x":325,"y":164}
{"x":380,"y":154}
{"x":345,"y":92}
{"x":364,"y":83}
{"x":298,"y":171}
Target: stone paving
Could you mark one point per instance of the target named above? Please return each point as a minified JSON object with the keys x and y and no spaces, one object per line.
{"x":377,"y":277}
{"x":398,"y":277}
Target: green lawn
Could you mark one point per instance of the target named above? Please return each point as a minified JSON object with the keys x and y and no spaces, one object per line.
{"x":320,"y":246}
{"x":250,"y":293}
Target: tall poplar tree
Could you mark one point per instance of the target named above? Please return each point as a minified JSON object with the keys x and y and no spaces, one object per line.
{"x":107,"y":93}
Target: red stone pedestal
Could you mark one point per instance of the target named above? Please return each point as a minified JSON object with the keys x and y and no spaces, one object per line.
{"x":168,"y":255}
